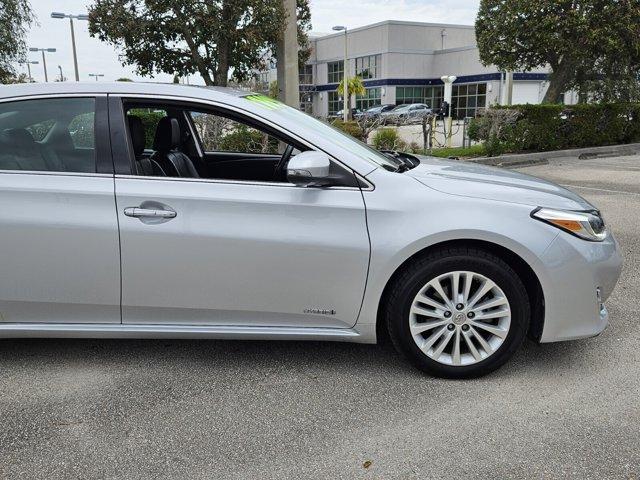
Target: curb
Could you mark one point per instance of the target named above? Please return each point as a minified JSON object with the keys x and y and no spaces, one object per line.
{"x":542,"y":158}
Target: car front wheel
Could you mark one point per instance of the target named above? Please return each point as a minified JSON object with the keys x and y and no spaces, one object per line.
{"x":457,"y":313}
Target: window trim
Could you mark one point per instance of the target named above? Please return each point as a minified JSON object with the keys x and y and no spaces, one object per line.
{"x":103,"y":161}
{"x":119,"y":126}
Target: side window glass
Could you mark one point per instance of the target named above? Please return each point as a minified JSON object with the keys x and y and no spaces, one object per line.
{"x":220,"y":134}
{"x":82,"y":132}
{"x":48,"y":135}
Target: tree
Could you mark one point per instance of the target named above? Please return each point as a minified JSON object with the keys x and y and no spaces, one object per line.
{"x":355,"y":87}
{"x":581,"y":40}
{"x":16,"y":17}
{"x":212,"y":38}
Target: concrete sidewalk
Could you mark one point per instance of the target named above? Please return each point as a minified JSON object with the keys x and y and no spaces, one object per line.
{"x":542,"y":158}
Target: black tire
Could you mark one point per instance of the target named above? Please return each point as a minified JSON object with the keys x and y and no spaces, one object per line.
{"x":411,"y":279}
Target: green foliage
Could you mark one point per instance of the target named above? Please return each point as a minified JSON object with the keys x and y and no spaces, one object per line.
{"x":351,"y":127}
{"x":557,"y":127}
{"x":16,"y":17}
{"x":355,"y":87}
{"x":212,"y":38}
{"x":388,"y":139}
{"x":582,"y":40}
{"x":459,"y":152}
{"x":150,"y":119}
{"x":124,"y":79}
{"x":247,"y":140}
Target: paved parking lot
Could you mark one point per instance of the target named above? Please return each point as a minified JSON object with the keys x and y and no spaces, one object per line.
{"x":219,"y":409}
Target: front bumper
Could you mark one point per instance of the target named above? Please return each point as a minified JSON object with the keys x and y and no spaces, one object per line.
{"x":575,"y":270}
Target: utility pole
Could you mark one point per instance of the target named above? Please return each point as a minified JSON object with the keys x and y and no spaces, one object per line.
{"x":287,"y":57}
{"x":44,"y":60}
{"x":345,"y":75}
{"x":28,"y":63}
{"x":509,"y":88}
{"x":73,"y":35}
{"x":448,"y":95}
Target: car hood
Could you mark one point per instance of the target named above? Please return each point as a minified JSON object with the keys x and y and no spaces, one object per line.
{"x":480,"y":181}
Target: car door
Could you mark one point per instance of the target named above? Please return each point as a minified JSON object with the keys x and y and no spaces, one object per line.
{"x":59,"y":257}
{"x":233,"y":252}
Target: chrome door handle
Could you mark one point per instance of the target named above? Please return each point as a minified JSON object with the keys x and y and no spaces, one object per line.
{"x":138,"y":212}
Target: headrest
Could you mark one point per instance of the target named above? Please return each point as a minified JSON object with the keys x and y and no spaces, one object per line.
{"x":136,"y":130}
{"x":167,"y":135}
{"x":19,"y":138}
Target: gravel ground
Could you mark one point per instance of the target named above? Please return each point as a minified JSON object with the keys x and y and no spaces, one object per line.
{"x":221,"y":409}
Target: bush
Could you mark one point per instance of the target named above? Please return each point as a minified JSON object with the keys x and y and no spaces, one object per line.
{"x":556,"y":127}
{"x":247,"y":140}
{"x":351,"y":127}
{"x":388,"y":139}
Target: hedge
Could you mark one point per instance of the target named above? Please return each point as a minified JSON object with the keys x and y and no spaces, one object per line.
{"x":557,"y":127}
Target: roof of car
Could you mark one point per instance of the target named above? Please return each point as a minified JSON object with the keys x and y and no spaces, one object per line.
{"x":134,"y":88}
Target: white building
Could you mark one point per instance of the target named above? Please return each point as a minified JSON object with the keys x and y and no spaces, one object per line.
{"x":402,"y":62}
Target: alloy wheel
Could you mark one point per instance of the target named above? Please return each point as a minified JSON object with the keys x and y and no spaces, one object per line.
{"x":460,"y":318}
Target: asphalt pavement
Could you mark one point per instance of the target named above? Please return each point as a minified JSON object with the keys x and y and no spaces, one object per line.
{"x":221,"y":409}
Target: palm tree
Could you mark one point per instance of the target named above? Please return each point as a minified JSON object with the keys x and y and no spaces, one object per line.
{"x":356,"y":87}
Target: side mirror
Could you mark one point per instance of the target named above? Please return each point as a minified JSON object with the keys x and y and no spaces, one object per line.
{"x":309,"y":169}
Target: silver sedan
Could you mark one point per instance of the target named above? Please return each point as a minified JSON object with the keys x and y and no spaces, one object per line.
{"x":148,"y":211}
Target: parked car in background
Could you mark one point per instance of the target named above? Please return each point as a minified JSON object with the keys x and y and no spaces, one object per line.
{"x":248,"y":219}
{"x":355,"y":113}
{"x":377,"y":111}
{"x":406,"y":113}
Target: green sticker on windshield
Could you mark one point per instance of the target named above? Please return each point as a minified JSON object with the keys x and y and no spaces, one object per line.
{"x":264,"y":101}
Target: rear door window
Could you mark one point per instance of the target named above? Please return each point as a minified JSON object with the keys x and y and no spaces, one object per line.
{"x":56,"y":135}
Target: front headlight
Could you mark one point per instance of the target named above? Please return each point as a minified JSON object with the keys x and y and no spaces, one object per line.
{"x":586,"y":225}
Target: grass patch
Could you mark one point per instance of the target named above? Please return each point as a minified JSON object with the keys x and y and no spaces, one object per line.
{"x":467,"y":152}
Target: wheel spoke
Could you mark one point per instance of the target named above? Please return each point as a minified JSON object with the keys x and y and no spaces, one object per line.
{"x":418,"y":328}
{"x":431,"y":302}
{"x":437,"y":286}
{"x":455,"y":287}
{"x":484,"y":288}
{"x":455,"y":356}
{"x":494,"y":302}
{"x":472,"y":348}
{"x":498,"y":332}
{"x":425,"y":313}
{"x":468,"y":280}
{"x":429,"y":342}
{"x":492,"y":314}
{"x":438,"y":351}
{"x":483,"y":343}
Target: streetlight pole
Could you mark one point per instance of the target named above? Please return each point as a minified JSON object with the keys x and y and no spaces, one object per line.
{"x":96,"y":75}
{"x":61,"y":75}
{"x":44,"y":60}
{"x":73,"y":36}
{"x":345,"y":75}
{"x":28,"y":63}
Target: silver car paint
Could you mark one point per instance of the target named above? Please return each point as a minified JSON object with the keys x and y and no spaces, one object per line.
{"x":405,"y":213}
{"x":59,"y":253}
{"x":242,"y":254}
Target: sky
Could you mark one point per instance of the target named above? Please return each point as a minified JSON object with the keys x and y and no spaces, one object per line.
{"x":97,"y":57}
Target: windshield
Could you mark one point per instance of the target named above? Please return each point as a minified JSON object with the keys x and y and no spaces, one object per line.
{"x":330,"y":132}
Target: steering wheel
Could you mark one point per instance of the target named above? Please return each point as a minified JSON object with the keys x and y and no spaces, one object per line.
{"x":279,"y":171}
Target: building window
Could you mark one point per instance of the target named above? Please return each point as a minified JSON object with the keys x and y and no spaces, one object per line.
{"x":368,"y":67}
{"x":371,"y":99}
{"x":306,"y":102}
{"x":468,"y":99}
{"x":305,"y":76}
{"x":335,"y":71}
{"x":432,"y":96}
{"x":335,"y":102}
